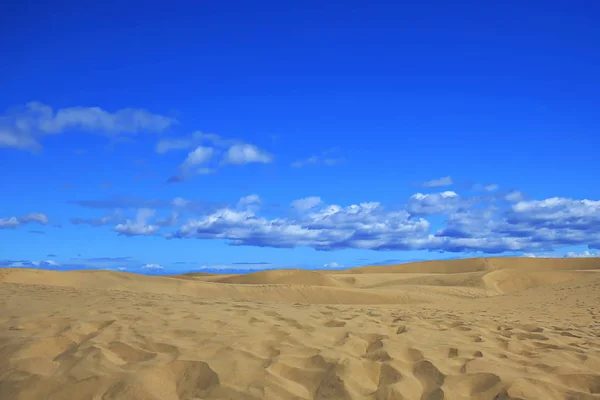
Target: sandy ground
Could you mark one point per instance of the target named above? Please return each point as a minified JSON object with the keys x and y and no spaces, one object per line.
{"x":468,"y":329}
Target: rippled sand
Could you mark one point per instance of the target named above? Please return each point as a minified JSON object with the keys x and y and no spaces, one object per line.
{"x":464,"y":329}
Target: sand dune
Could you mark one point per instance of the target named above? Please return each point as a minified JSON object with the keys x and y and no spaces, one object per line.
{"x":460,"y":329}
{"x":289,"y":277}
{"x":485,"y":264}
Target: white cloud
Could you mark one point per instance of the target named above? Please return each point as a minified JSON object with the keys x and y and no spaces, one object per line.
{"x":22,"y":127}
{"x":31,"y":264}
{"x":115,"y":218}
{"x":171,"y":220}
{"x":250,"y":200}
{"x":557,"y":212}
{"x":139,"y":226}
{"x":327,"y":158}
{"x":200,"y":155}
{"x":435,"y":203}
{"x":366,"y":225}
{"x":180,"y":202}
{"x":45,"y":263}
{"x":208,"y":146}
{"x":332,"y":265}
{"x":513,"y":196}
{"x":245,"y":154}
{"x":316,"y":160}
{"x":14,"y":222}
{"x":306,"y":203}
{"x":195,"y":139}
{"x":152,"y":266}
{"x":441,"y":182}
{"x":488,"y":188}
{"x":583,"y":254}
{"x":472,"y":225}
{"x":9,"y":223}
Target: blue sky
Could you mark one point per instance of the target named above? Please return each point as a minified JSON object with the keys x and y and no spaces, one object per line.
{"x":267,"y":134}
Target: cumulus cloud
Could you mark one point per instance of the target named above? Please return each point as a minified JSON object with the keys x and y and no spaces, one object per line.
{"x":14,"y":222}
{"x":539,"y":225}
{"x":534,"y":226}
{"x":249,"y":202}
{"x":557,"y":212}
{"x":200,"y":155}
{"x":23,"y":127}
{"x":440,"y":182}
{"x":240,"y":154}
{"x":139,"y":226}
{"x":583,"y":254}
{"x":207,"y":148}
{"x":435,"y":203}
{"x":333,"y":265}
{"x":366,"y":225}
{"x":193,"y":164}
{"x":306,"y":203}
{"x":485,"y":224}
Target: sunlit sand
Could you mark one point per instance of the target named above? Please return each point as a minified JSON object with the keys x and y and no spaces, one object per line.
{"x":498,"y":328}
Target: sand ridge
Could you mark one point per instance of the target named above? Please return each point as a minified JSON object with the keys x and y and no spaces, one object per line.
{"x":484,"y":329}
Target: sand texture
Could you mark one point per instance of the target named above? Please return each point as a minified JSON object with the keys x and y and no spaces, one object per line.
{"x":506,"y":328}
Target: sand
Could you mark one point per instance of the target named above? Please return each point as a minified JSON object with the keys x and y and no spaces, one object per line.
{"x":505,"y":328}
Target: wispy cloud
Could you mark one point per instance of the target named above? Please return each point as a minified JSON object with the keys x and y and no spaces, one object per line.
{"x":23,"y":127}
{"x":197,"y":138}
{"x":326,"y":158}
{"x":306,"y":203}
{"x":14,"y":222}
{"x":440,"y":182}
{"x":485,"y":188}
{"x":115,"y":218}
{"x":252,"y":263}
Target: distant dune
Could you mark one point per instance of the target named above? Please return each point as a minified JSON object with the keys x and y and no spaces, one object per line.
{"x":483,"y":328}
{"x":286,"y":277}
{"x":484,"y":264}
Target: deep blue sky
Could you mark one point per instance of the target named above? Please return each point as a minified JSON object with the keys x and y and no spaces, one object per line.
{"x":351,"y":102}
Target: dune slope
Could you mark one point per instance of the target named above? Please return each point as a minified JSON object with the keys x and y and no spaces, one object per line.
{"x":486,"y":329}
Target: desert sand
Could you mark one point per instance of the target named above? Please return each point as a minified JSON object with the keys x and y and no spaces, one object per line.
{"x":495,"y":328}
